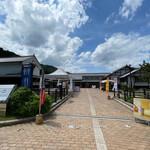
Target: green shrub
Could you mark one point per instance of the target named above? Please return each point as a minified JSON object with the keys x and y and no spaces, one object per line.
{"x":25,"y":103}
{"x":124,"y":87}
{"x":47,"y":104}
{"x":130,"y":100}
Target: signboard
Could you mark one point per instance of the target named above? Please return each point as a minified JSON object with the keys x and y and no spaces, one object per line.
{"x":107,"y":85}
{"x":5,"y":91}
{"x":142,"y":108}
{"x":26,"y":76}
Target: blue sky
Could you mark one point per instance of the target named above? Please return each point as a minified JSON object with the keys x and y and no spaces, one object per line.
{"x":78,"y":35}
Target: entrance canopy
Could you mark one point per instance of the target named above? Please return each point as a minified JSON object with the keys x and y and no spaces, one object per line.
{"x":58,"y":74}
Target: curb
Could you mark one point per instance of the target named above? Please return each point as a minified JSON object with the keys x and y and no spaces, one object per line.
{"x":128,"y":105}
{"x":25,"y":120}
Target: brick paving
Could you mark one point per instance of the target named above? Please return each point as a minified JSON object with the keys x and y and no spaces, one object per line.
{"x":122,"y":135}
{"x":77,"y":105}
{"x":108,"y":108}
{"x":52,"y":134}
{"x":67,"y":132}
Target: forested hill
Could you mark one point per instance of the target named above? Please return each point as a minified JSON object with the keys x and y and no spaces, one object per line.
{"x":48,"y":68}
{"x":5,"y":53}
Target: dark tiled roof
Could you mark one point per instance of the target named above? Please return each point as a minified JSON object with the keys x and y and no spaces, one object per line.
{"x":14,"y":59}
{"x":126,"y":66}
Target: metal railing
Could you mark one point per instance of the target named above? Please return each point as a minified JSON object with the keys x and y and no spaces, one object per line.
{"x":130,"y":94}
{"x":55,"y":93}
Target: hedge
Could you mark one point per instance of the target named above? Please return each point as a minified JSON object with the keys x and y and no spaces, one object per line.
{"x":25,"y":103}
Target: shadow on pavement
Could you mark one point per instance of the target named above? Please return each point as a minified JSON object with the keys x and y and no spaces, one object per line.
{"x":50,"y":121}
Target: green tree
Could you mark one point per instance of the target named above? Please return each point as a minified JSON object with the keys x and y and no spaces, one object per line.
{"x":145,"y":68}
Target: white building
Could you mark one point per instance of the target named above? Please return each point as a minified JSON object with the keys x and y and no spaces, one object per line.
{"x":23,"y":71}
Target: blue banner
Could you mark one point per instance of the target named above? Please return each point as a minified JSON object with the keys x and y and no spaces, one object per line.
{"x":26,"y":76}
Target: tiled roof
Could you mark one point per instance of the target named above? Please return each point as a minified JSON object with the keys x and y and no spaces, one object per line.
{"x":14,"y":59}
{"x":125,"y":75}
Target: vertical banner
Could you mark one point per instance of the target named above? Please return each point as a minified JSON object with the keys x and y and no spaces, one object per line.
{"x":107,"y":85}
{"x":64,"y":84}
{"x":115,"y":84}
{"x":71,"y":84}
{"x":42,"y":97}
{"x":42,"y":100}
{"x":26,"y":76}
{"x":58,"y":82}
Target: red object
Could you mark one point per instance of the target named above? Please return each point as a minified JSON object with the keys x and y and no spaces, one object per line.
{"x":42,"y":97}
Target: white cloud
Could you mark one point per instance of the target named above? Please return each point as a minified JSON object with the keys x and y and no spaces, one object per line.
{"x":85,"y":55}
{"x":84,"y":59}
{"x":76,"y":69}
{"x":42,"y":27}
{"x":86,"y":4}
{"x":116,"y":21}
{"x":109,"y":17}
{"x":129,"y":7}
{"x":121,"y":49}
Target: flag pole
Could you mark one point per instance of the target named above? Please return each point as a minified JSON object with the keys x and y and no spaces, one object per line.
{"x":41,"y":85}
{"x":39,"y":117}
{"x":40,"y":102}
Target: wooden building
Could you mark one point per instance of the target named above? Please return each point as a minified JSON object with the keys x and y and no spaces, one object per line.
{"x":23,"y":71}
{"x":119,"y":72}
{"x":134,"y":79}
{"x":86,"y":80}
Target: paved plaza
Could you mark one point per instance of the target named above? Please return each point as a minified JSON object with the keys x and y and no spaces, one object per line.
{"x":87,"y":121}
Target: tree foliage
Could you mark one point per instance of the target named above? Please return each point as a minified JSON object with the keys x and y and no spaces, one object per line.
{"x":48,"y":68}
{"x":145,"y":68}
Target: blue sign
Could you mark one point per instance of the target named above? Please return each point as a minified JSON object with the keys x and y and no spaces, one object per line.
{"x":26,"y":76}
